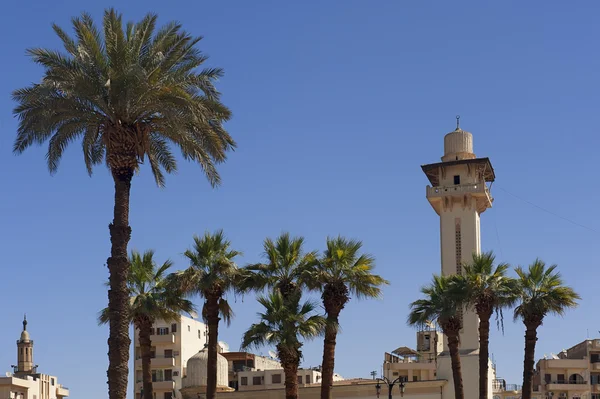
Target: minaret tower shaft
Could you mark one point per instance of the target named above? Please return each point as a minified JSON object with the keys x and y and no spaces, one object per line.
{"x":459,"y":194}
{"x":25,"y":364}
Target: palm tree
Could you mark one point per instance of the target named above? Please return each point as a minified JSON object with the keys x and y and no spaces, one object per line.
{"x":340,"y":272}
{"x":540,"y":292}
{"x":129,"y":93}
{"x":282,"y":324}
{"x":442,"y":304}
{"x":286,"y":263}
{"x":212,"y":273}
{"x":489,"y":290}
{"x":151,"y":298}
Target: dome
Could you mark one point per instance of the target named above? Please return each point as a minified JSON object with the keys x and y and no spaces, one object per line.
{"x":197,"y":370}
{"x":458,"y":145}
{"x":25,"y":336}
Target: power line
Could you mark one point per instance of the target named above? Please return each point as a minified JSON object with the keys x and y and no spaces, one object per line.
{"x":547,"y":211}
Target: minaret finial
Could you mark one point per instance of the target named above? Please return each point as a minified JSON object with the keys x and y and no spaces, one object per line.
{"x":25,"y":322}
{"x":457,"y":122}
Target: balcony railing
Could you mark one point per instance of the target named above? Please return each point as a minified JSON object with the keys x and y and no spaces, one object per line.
{"x":566,"y":382}
{"x":458,"y":189}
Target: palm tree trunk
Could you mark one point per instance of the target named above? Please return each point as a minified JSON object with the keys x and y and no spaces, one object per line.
{"x":529,"y":360}
{"x":291,"y":380}
{"x":145,"y":330}
{"x":453,"y":344}
{"x":118,"y":294}
{"x":484,"y":353}
{"x":212,"y":319}
{"x":328,"y":365}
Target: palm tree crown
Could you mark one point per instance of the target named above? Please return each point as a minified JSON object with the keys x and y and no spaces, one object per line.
{"x":342,"y":271}
{"x":128,"y":92}
{"x":441,"y":304}
{"x":213,"y":271}
{"x":541,"y":292}
{"x":152,"y":296}
{"x":487,"y":287}
{"x":283,"y":325}
{"x":286,"y":263}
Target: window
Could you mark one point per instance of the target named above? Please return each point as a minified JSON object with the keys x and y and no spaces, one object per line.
{"x":415,"y":378}
{"x":162,"y":331}
{"x":257,"y":380}
{"x":596,"y":396}
{"x":52,"y":381}
{"x":395,"y":374}
{"x":560,"y":378}
{"x":153,"y":352}
{"x":244,"y":380}
{"x":138,"y":376}
{"x":174,"y":327}
{"x":189,"y":329}
{"x":158,"y":376}
{"x":299,"y":379}
{"x":175,"y":373}
{"x":168,"y":375}
{"x":168,"y":353}
{"x":200,"y":334}
{"x":276,"y":379}
{"x":168,"y":395}
{"x":456,"y":180}
{"x":308,"y":379}
{"x":152,"y":331}
{"x":547,"y":378}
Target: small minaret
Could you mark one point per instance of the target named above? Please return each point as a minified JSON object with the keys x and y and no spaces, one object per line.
{"x":459,"y":195}
{"x":25,"y":353}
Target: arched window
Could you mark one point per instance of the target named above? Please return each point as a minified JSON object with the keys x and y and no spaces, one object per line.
{"x":575,"y":379}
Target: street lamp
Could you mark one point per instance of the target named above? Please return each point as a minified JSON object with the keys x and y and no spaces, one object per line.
{"x":390,"y":384}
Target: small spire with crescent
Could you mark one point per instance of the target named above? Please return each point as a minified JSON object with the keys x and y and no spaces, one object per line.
{"x":25,"y":322}
{"x":457,"y":122}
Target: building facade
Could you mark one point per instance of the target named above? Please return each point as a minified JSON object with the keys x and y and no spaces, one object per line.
{"x":173,"y":344}
{"x":25,"y":382}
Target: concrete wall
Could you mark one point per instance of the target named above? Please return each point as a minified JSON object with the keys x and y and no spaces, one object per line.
{"x":267,"y":379}
{"x":470,"y":376}
{"x":349,"y":391}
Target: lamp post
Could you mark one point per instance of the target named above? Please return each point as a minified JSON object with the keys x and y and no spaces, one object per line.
{"x":390,"y":384}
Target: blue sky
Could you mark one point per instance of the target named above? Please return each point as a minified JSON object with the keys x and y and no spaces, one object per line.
{"x":336,"y":105}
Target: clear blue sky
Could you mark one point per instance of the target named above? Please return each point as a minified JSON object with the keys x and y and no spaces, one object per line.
{"x":335,"y":108}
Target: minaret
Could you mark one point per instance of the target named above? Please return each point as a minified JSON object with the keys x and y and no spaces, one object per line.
{"x":25,"y":353}
{"x":459,"y":194}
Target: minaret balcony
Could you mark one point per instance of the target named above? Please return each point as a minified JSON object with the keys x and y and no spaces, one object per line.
{"x":479,"y":191}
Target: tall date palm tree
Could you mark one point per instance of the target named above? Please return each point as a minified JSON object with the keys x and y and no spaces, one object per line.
{"x":152,"y":297}
{"x":212,"y":273}
{"x":489,"y":290}
{"x":442,"y":304}
{"x":541,"y":291}
{"x":129,"y":92}
{"x":284,"y":323}
{"x":341,"y":271}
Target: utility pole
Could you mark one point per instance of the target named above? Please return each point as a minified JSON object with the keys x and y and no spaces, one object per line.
{"x":373,"y":374}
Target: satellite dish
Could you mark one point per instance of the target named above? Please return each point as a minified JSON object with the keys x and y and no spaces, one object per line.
{"x":273,"y":354}
{"x":224,"y":346}
{"x":8,"y":374}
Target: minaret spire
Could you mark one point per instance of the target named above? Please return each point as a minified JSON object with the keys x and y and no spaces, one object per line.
{"x":25,"y":322}
{"x":457,"y":122}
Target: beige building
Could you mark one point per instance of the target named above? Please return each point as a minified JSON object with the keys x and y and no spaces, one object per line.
{"x":173,"y":344}
{"x":243,"y":362}
{"x":25,"y":382}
